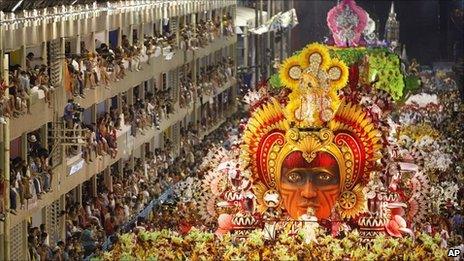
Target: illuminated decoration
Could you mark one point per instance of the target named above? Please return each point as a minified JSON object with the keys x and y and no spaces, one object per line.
{"x":314,"y":98}
{"x":316,"y":152}
{"x":347,"y":21}
{"x":392,"y":26}
{"x":290,"y":72}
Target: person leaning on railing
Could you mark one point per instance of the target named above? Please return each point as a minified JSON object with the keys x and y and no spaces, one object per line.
{"x":43,"y":82}
{"x":24,"y":88}
{"x":5,"y":109}
{"x":89,"y":145}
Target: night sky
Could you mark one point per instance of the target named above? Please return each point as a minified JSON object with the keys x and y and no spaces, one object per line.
{"x":426,"y":26}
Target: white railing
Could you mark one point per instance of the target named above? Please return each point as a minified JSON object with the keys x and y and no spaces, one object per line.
{"x":11,"y":21}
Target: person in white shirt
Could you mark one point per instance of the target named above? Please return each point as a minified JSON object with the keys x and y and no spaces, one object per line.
{"x":111,"y":201}
{"x":444,"y":238}
{"x":126,"y":211}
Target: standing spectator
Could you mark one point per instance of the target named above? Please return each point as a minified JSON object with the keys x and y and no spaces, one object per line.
{"x":68,"y":114}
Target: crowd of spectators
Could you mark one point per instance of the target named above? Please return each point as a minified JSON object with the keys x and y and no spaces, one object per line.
{"x":106,"y":64}
{"x":188,"y":91}
{"x":100,"y":138}
{"x":447,"y":117}
{"x":195,"y":37}
{"x":24,"y":83}
{"x":204,"y":32}
{"x":104,"y":214}
{"x":449,"y":121}
{"x":102,"y":66}
{"x":437,"y":80}
{"x":89,"y":69}
{"x":228,"y":25}
{"x":30,"y":178}
{"x":39,"y":247}
{"x":189,"y":163}
{"x":451,"y":126}
{"x":212,"y":77}
{"x":209,"y":81}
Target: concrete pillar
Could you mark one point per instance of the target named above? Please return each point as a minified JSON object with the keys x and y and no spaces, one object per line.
{"x":120,"y":167}
{"x":270,"y":40}
{"x":143,"y":151}
{"x":130,"y":96}
{"x":24,"y":147}
{"x":193,"y":22}
{"x":60,"y":92}
{"x":62,"y":219}
{"x":79,"y":194}
{"x":131,"y":34}
{"x":132,"y":161}
{"x":107,"y":37}
{"x":222,"y":22}
{"x":177,"y":32}
{"x":93,"y":183}
{"x":140,"y":31}
{"x":5,"y":151}
{"x":23,"y":56}
{"x":155,"y":27}
{"x":120,"y":32}
{"x":119,"y":101}
{"x":289,"y":31}
{"x":44,"y":135}
{"x":92,"y":46}
{"x":107,"y":105}
{"x":76,"y":45}
{"x":108,"y":178}
{"x":234,"y":70}
{"x":43,"y":53}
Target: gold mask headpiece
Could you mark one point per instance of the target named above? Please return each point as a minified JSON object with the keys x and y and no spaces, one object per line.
{"x":315,"y":130}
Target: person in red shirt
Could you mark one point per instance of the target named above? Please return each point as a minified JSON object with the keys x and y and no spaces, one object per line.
{"x":184,"y":227}
{"x":110,"y":225}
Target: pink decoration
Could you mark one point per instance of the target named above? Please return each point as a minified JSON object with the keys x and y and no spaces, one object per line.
{"x":347,"y":22}
{"x":397,"y":225}
{"x":224,"y":224}
{"x":393,"y":228}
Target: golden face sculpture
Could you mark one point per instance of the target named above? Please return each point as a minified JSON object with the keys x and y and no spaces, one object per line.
{"x":317,"y":151}
{"x":317,"y":169}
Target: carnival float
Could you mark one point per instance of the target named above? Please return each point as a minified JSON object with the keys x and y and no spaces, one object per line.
{"x":339,"y":159}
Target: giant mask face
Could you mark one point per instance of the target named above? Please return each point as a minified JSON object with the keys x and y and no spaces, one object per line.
{"x":314,"y":184}
{"x":316,"y":152}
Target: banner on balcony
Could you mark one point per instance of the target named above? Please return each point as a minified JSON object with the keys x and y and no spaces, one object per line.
{"x":278,"y":22}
